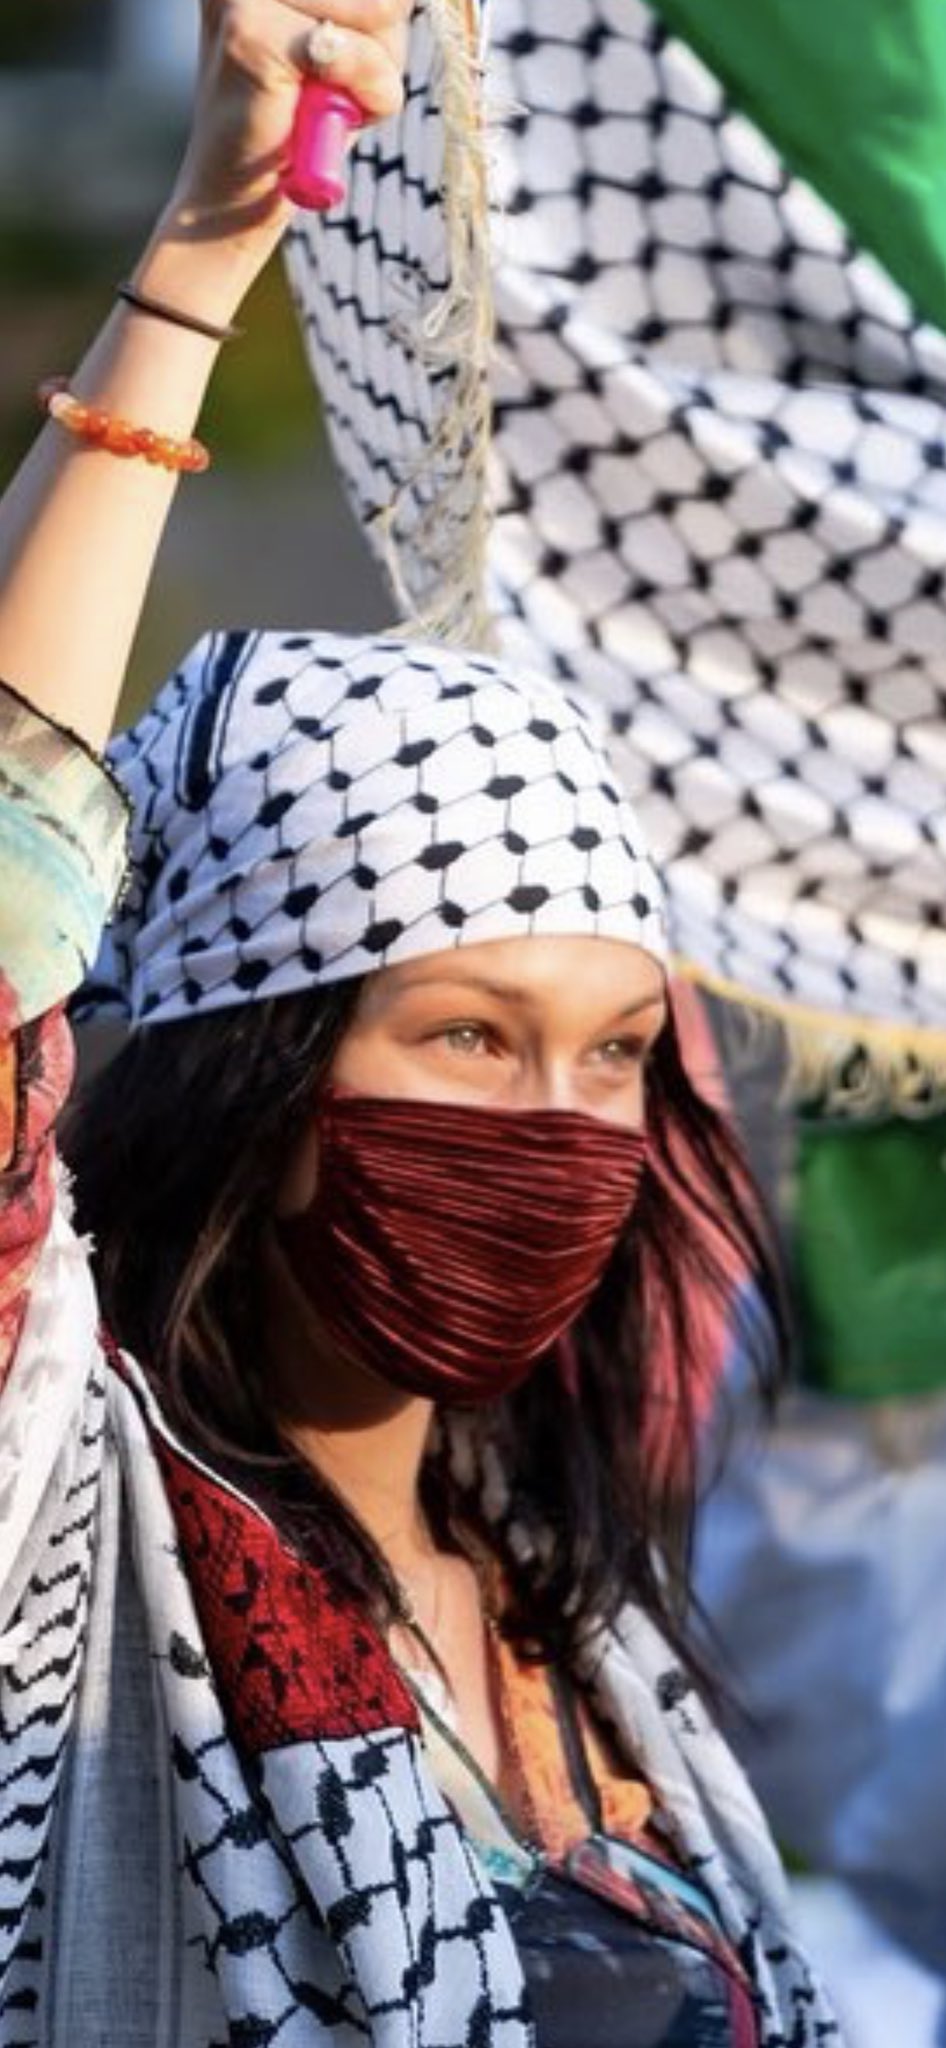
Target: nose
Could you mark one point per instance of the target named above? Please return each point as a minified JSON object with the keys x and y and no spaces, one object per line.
{"x":561,"y":1085}
{"x":548,"y":1084}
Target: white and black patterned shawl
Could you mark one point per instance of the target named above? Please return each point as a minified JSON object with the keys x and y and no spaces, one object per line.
{"x":717,"y":465}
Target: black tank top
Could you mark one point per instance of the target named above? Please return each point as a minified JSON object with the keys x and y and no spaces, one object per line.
{"x":619,"y":1948}
{"x":626,"y":1965}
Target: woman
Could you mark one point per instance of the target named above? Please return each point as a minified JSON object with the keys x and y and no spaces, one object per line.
{"x":334,"y":1677}
{"x":715,"y":465}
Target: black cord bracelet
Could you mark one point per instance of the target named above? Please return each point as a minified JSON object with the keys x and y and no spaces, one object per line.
{"x":160,"y":310}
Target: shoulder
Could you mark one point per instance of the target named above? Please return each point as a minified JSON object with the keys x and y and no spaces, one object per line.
{"x":62,"y":850}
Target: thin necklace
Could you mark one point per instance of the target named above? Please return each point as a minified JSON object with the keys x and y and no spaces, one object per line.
{"x":407,"y":1619}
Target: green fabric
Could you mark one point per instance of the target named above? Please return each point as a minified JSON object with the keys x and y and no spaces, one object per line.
{"x":852,"y":93}
{"x":870,"y":1257}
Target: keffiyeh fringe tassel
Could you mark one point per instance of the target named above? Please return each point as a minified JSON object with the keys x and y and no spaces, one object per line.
{"x":834,"y":1067}
{"x":457,"y":336}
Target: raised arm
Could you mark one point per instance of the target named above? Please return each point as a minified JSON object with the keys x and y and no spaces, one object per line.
{"x":80,"y":527}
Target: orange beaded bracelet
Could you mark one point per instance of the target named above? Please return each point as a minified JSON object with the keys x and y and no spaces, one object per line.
{"x":116,"y":436}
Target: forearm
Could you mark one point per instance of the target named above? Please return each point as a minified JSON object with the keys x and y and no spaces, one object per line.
{"x":79,"y":526}
{"x":79,"y":529}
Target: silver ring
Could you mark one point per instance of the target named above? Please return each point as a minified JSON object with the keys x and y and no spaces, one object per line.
{"x":324,"y":47}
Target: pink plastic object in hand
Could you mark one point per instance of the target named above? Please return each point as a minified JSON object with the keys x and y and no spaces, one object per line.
{"x":325,"y":118}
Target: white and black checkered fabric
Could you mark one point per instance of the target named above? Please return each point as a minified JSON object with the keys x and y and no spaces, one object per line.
{"x":38,"y":1692}
{"x":371,"y":281}
{"x":311,"y":807}
{"x":720,"y":447}
{"x":322,"y":1891}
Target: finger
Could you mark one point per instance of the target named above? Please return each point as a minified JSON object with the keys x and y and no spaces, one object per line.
{"x":359,"y":63}
{"x":386,"y":18}
{"x":266,"y":41}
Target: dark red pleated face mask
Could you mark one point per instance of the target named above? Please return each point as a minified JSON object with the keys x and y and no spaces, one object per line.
{"x":448,"y":1247}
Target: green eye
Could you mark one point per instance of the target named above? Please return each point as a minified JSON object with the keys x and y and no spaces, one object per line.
{"x":465,"y":1038}
{"x":618,"y":1051}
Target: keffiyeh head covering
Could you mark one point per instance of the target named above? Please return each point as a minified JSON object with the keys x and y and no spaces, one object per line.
{"x":309,"y":807}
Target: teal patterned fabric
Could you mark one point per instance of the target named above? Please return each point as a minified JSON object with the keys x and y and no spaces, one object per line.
{"x":62,"y":842}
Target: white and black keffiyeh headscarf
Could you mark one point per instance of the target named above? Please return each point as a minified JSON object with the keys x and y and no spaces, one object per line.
{"x":310,"y":807}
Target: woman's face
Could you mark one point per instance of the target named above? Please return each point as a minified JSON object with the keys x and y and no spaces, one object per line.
{"x":518,"y":1024}
{"x":534,"y":1023}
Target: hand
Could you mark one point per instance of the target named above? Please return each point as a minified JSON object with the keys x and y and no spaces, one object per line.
{"x":253,"y":60}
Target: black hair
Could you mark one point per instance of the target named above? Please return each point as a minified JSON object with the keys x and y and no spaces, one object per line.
{"x":177,"y":1147}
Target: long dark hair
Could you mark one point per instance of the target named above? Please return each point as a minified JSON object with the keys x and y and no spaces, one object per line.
{"x":177,"y":1146}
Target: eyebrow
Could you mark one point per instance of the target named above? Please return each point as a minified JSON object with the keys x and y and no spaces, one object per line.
{"x":508,"y":992}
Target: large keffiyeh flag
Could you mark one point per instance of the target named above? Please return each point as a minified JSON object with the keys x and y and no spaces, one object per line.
{"x":714,"y":239}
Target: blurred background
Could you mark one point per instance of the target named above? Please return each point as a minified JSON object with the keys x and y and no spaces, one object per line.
{"x":93,"y":108}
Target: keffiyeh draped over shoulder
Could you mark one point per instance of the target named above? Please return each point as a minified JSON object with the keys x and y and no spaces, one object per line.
{"x":718,"y":451}
{"x":195,"y":1717}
